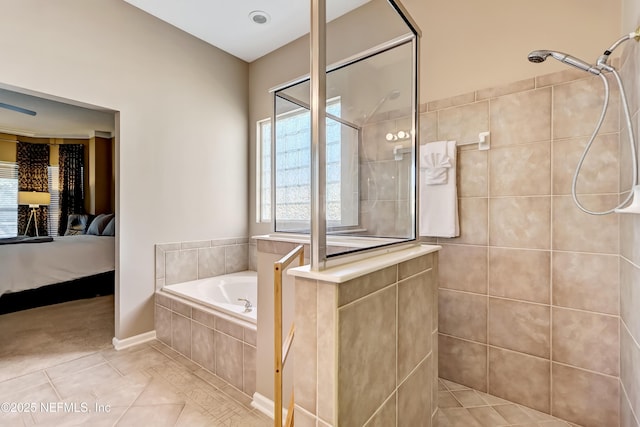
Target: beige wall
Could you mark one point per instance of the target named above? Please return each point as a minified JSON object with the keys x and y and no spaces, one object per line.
{"x":466,"y":45}
{"x":630,"y":241}
{"x":167,"y":87}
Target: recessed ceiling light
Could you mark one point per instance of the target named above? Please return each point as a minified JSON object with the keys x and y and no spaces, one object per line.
{"x":259,"y":17}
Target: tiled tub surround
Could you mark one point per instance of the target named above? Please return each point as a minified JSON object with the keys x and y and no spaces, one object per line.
{"x":366,"y":348}
{"x":222,"y":346}
{"x":185,"y":261}
{"x":630,"y":259}
{"x":529,"y":292}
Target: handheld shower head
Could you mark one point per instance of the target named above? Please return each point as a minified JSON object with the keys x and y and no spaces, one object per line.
{"x":538,"y":56}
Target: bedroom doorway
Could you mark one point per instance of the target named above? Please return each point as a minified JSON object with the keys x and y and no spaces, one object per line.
{"x":72,"y":251}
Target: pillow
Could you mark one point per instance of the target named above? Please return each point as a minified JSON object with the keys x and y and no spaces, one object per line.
{"x":77,"y":224}
{"x":110,"y":229}
{"x":99,"y":223}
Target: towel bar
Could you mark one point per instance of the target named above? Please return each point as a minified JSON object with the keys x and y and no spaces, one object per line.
{"x":484,"y":141}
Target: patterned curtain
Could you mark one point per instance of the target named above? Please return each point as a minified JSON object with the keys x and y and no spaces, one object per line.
{"x":33,"y":160}
{"x":71,"y":196}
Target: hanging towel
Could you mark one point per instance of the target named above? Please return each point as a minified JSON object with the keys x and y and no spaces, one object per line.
{"x":435,"y":164}
{"x":438,"y":190}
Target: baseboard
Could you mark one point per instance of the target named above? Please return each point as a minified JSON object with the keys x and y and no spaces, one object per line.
{"x":263,"y":404}
{"x":135,"y":340}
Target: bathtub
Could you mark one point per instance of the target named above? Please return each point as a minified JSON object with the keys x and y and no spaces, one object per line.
{"x":223,"y":294}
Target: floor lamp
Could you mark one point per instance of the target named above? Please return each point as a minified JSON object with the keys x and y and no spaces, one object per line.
{"x":34,"y":199}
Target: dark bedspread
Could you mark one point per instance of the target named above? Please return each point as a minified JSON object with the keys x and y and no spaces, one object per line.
{"x":25,"y":239}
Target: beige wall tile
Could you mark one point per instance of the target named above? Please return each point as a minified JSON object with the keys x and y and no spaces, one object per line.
{"x":205,"y":318}
{"x":364,"y":285}
{"x":462,"y":315}
{"x":305,"y":344}
{"x":599,"y":172}
{"x":586,"y":340}
{"x":236,"y":258}
{"x":629,"y":237}
{"x":506,"y":89}
{"x":414,"y":399}
{"x":211,"y":262}
{"x":586,"y":281}
{"x":577,"y":106}
{"x":630,"y":367}
{"x":472,"y":216}
{"x":520,"y":222}
{"x":584,"y":398}
{"x":463,"y":362}
{"x":181,"y":334}
{"x":327,"y":321}
{"x":465,"y":98}
{"x":521,"y":170}
{"x":163,"y":324}
{"x":630,"y":297}
{"x":464,"y":123}
{"x":386,"y":415}
{"x":249,"y":370}
{"x":560,"y":77}
{"x":471,"y":278}
{"x":229,"y":359}
{"x":181,"y":308}
{"x":229,"y":328}
{"x":520,"y":378}
{"x":428,"y":127}
{"x":520,"y":326}
{"x":472,"y":169}
{"x":519,"y":274}
{"x":414,"y":266}
{"x":627,"y":418}
{"x":366,"y":356}
{"x":415,"y":303}
{"x":181,"y":266}
{"x":521,"y":117}
{"x":574,"y":230}
{"x":203,"y":346}
{"x":159,"y":262}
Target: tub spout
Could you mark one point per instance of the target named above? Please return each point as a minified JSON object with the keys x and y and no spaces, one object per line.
{"x":247,"y":305}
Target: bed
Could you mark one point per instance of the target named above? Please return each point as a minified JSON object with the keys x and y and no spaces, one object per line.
{"x":66,"y":268}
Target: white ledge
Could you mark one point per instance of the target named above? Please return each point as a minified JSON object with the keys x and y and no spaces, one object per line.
{"x":351,"y":270}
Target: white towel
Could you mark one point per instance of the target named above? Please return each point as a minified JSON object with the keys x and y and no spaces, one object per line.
{"x":438,"y":201}
{"x":435,"y":162}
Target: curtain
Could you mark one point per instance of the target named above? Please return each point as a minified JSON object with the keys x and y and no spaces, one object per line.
{"x":71,"y":196}
{"x":33,"y":161}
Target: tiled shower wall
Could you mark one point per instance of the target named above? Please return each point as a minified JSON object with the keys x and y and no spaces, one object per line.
{"x":185,"y":261}
{"x":529,"y":292}
{"x":630,"y":259}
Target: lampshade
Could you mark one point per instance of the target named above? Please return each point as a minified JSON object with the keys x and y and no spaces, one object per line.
{"x":33,"y":198}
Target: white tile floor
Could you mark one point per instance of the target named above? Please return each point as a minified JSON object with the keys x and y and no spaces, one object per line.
{"x":58,"y":368}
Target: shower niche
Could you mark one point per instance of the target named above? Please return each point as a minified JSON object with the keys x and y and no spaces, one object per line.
{"x":371,"y":133}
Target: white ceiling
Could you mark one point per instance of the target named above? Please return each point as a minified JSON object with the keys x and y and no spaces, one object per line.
{"x":226,"y":24}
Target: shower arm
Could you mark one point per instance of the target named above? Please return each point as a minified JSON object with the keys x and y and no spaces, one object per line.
{"x":601,"y":63}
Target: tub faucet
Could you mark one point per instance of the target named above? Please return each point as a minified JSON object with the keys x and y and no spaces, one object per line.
{"x":247,"y":305}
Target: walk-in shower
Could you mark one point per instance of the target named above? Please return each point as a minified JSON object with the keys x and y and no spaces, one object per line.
{"x":599,"y":68}
{"x":370,"y":195}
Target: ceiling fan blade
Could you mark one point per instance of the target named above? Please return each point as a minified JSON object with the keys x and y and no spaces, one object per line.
{"x":18,"y":109}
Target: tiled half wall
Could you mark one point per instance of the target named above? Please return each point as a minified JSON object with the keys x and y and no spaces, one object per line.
{"x":225,"y":348}
{"x":185,"y":261}
{"x":529,"y":292}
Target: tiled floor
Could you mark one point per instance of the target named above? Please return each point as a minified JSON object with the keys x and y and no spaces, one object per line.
{"x":58,"y":368}
{"x":461,"y":406}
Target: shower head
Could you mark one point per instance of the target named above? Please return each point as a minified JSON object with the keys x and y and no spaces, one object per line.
{"x":538,"y":56}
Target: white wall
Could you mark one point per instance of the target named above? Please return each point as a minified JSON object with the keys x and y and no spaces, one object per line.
{"x":182,"y":145}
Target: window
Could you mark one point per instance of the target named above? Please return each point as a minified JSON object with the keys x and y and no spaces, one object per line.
{"x":54,"y":205}
{"x":293,"y":180}
{"x":8,"y":199}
